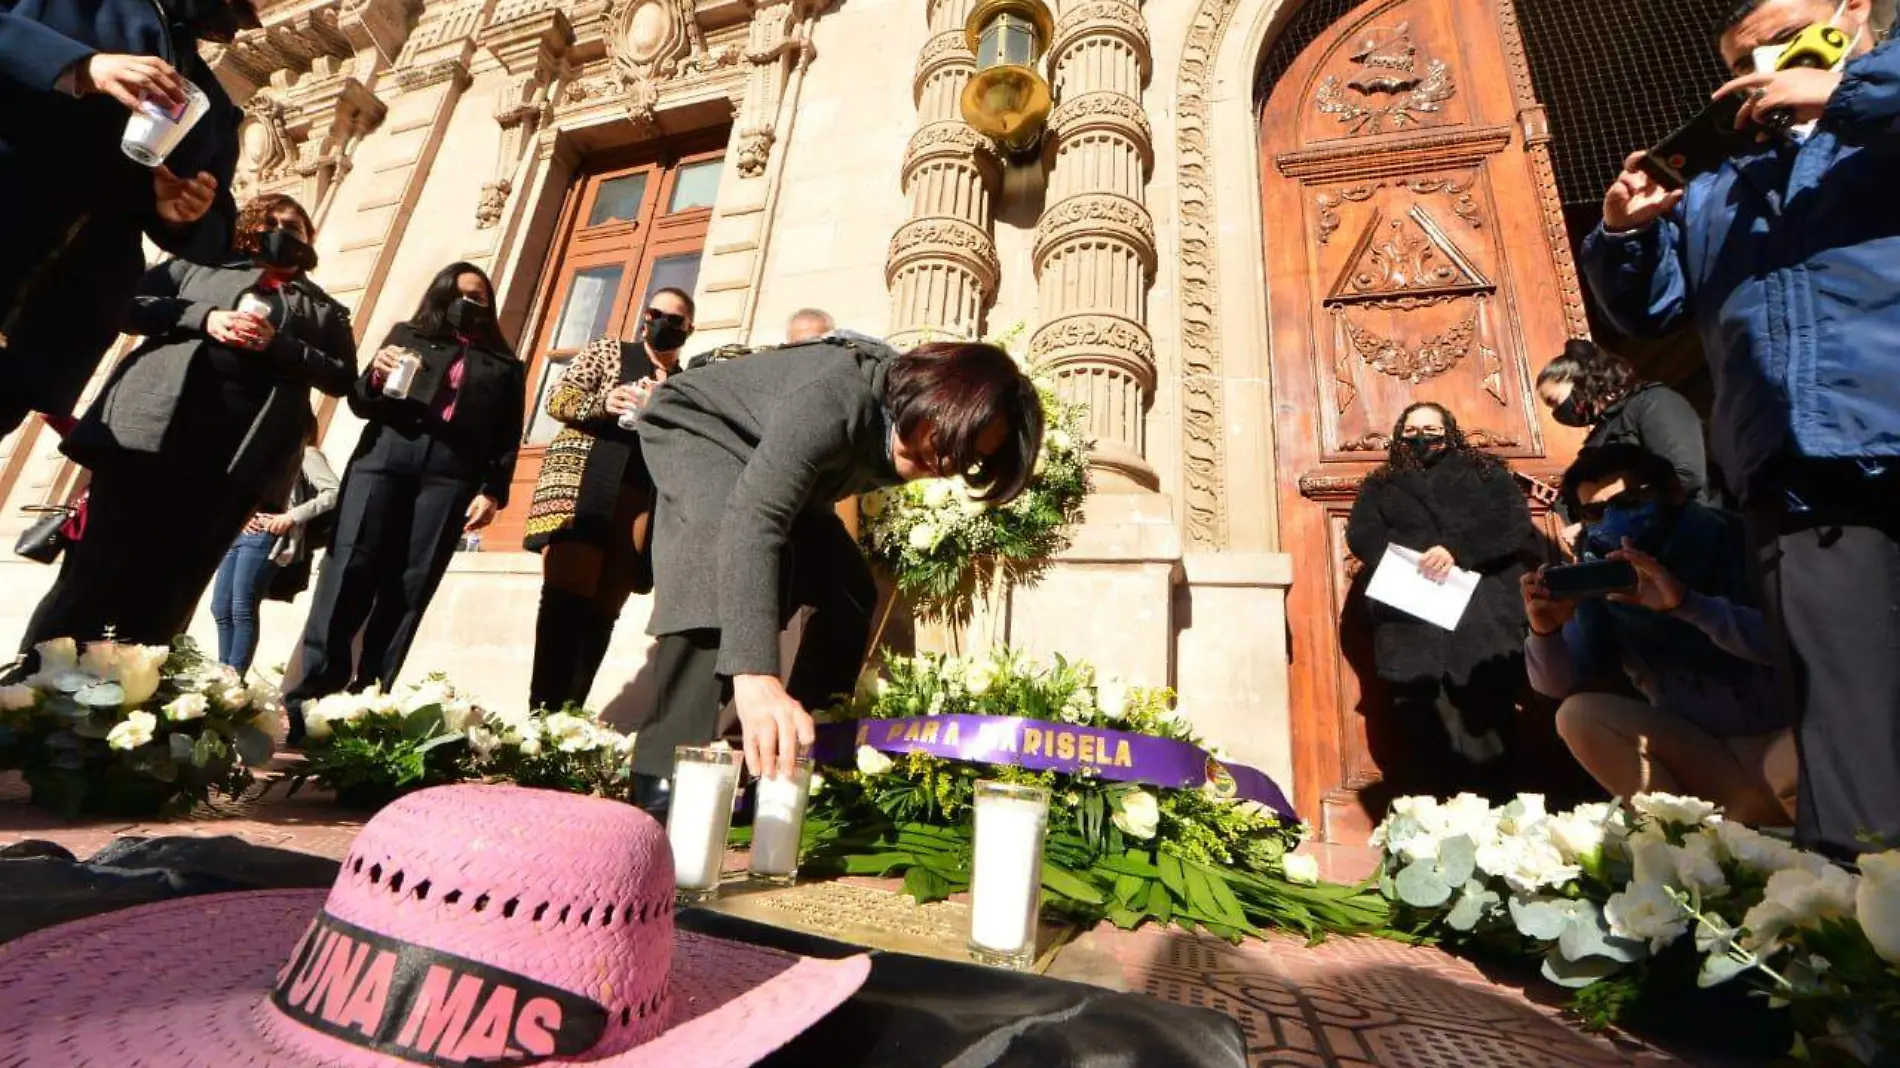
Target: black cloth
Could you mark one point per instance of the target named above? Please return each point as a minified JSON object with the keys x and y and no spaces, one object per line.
{"x":399,"y":518}
{"x":826,"y":574}
{"x":1662,"y":421}
{"x":73,"y":208}
{"x":571,"y":635}
{"x":486,"y":428}
{"x":1475,"y":511}
{"x":1830,"y":570}
{"x":912,"y":1012}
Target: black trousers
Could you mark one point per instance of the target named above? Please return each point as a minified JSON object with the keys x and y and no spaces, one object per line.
{"x":403,"y":506}
{"x":156,"y":530}
{"x":1830,"y":573}
{"x":826,"y":574}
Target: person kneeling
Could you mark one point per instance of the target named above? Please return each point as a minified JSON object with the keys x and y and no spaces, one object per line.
{"x":1689,"y":638}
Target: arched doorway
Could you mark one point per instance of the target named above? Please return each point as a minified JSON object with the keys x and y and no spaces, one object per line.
{"x":1415,"y":249}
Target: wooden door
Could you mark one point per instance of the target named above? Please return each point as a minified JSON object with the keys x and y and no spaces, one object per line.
{"x":1409,"y":258}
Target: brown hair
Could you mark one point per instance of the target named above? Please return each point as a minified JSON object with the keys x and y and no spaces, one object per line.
{"x":959,"y":389}
{"x":260,"y":210}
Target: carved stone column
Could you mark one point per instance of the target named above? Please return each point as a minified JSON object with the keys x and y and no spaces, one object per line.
{"x":942,"y":270}
{"x":1095,"y":243}
{"x":530,"y":49}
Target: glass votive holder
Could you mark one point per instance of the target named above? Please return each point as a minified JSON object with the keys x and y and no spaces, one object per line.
{"x":1006,"y":883}
{"x":778,"y":824}
{"x":698,"y":817}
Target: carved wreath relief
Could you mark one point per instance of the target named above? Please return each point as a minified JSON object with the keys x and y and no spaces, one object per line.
{"x":1388,"y":92}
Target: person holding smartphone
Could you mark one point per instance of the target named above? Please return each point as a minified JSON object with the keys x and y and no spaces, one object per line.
{"x":1688,"y":637}
{"x":594,"y":499}
{"x":1786,"y":262}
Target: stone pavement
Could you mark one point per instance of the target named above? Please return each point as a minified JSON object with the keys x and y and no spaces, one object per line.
{"x":1345,"y":1003}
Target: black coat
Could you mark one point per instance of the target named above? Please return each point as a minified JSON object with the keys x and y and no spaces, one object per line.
{"x":486,"y":430}
{"x":73,"y":208}
{"x":1478,"y":513}
{"x":1661,"y":420}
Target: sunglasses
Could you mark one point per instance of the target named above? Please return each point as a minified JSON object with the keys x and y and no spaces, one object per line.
{"x":1595,"y":511}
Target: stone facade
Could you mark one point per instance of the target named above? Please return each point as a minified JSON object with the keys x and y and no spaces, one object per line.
{"x":425,"y":131}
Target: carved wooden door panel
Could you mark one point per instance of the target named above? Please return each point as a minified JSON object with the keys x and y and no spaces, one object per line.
{"x":1414,"y":252}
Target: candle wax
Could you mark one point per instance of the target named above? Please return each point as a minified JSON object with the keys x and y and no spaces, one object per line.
{"x":777,"y":823}
{"x":697,"y":821}
{"x":1007,"y":882}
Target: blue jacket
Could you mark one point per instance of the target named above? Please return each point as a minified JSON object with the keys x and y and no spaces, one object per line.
{"x":1787,"y":262}
{"x":60,"y":162}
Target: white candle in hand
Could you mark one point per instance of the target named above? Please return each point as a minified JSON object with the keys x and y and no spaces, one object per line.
{"x":1007,"y":882}
{"x":696,"y":822}
{"x":778,"y":822}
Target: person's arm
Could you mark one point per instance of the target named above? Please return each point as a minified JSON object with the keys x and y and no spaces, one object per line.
{"x":1366,"y":533}
{"x":1868,"y":98}
{"x":366,"y":392}
{"x":1737,"y":630}
{"x":579,"y":399}
{"x":808,"y":434}
{"x":317,"y":472}
{"x":209,"y":239}
{"x":1638,"y":277}
{"x":1669,"y":427}
{"x":1557,"y":663}
{"x":329,"y":367}
{"x":500,"y":474}
{"x":159,"y":308}
{"x":36,"y":56}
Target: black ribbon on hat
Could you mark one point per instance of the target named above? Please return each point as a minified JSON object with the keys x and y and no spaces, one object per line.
{"x":426,"y":1006}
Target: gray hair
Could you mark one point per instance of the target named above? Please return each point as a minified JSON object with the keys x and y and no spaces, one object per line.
{"x":815,"y":317}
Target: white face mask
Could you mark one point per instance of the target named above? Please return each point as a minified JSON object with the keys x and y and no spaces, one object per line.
{"x":1767,"y":57}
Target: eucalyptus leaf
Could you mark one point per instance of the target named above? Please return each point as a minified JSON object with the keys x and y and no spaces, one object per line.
{"x":1541,"y":918}
{"x":1458,"y":858}
{"x":1587,"y":935}
{"x":1577,"y":974}
{"x":254,"y":747}
{"x":202,"y":750}
{"x":101,"y":695}
{"x":1719,"y":968}
{"x":1421,"y":884}
{"x":1474,"y":904}
{"x":181,"y":746}
{"x":91,"y":727}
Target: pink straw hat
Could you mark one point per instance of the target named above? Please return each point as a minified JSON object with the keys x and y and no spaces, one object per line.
{"x":469,"y":925}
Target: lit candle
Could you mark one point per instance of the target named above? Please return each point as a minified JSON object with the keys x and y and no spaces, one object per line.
{"x":698,"y":817}
{"x":778,"y":823}
{"x":1006,"y":886}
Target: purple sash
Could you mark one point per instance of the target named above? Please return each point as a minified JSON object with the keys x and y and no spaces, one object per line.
{"x":1040,"y":745}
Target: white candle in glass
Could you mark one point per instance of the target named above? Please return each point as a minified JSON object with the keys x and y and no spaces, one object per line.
{"x":778,"y":824}
{"x":700,"y":814}
{"x":1006,"y":886}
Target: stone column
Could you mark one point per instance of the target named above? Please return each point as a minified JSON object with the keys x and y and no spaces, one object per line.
{"x":942,"y":269}
{"x":1095,"y":243}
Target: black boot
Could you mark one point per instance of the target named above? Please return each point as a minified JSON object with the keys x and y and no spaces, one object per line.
{"x":560,"y":642}
{"x":592,"y":637}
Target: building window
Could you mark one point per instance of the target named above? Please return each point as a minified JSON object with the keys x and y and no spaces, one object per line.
{"x":626,"y":232}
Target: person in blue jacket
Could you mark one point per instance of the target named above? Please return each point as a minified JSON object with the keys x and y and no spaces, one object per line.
{"x":73,"y":207}
{"x":1786,"y":262}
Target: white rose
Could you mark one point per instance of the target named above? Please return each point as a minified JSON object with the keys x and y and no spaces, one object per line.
{"x":1671,"y":809}
{"x":1877,"y":902}
{"x":978,"y":675}
{"x":1764,"y":854}
{"x":262,"y":695}
{"x":1528,"y":862}
{"x":569,"y":733}
{"x":334,"y":708}
{"x":872,"y":762}
{"x":817,"y":785}
{"x":1645,"y":912}
{"x":1699,"y":865}
{"x":429,"y":693}
{"x":1795,"y":898}
{"x":1112,"y":696}
{"x":58,"y":656}
{"x":1582,"y":832}
{"x":17,"y":698}
{"x":1300,"y":868}
{"x":458,"y":715}
{"x":135,"y":730}
{"x":186,"y":707}
{"x":482,"y":741}
{"x":1522,"y":814}
{"x":101,"y":660}
{"x":1136,"y":812}
{"x":530,"y":745}
{"x":141,"y":669}
{"x":315,"y":729}
{"x":925,"y":536}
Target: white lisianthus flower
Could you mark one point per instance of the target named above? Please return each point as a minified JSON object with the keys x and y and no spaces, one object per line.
{"x":569,"y":733}
{"x":1671,"y":809}
{"x":135,"y":730}
{"x":186,"y":707}
{"x":482,"y":741}
{"x":58,"y":656}
{"x":529,"y":745}
{"x":17,"y":698}
{"x":263,"y":695}
{"x":430,"y":692}
{"x":1136,"y":812}
{"x":1698,"y":864}
{"x":1646,"y":913}
{"x":872,"y":762}
{"x":458,"y":715}
{"x":141,"y":670}
{"x":1583,"y":831}
{"x":1877,"y":902}
{"x":1764,"y":854}
{"x":316,"y":730}
{"x":1300,"y":868}
{"x":1796,"y":898}
{"x":1112,"y":696}
{"x":1528,"y":862}
{"x":1522,"y":814}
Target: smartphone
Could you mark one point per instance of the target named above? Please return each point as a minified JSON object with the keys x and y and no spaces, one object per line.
{"x":1595,"y":578}
{"x":1697,"y":146}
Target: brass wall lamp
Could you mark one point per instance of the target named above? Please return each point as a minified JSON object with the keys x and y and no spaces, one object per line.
{"x":1008,"y":100}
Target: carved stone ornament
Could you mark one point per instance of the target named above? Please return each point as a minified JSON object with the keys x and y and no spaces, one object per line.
{"x":300,"y":142}
{"x":952,"y":140}
{"x":1415,"y":364}
{"x":1405,"y":260}
{"x":529,"y":47}
{"x":1477,"y":438}
{"x":1097,"y":217}
{"x":955,"y":240}
{"x":1100,"y":340}
{"x":1122,"y":18}
{"x":1388,"y":91}
{"x":648,"y":43}
{"x":755,"y":148}
{"x":1103,"y":110}
{"x":1455,"y":190}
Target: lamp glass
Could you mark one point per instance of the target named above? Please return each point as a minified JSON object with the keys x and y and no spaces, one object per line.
{"x":1009,"y":40}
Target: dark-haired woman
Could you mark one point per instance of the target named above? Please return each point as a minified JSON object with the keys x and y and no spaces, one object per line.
{"x":1454,"y":690}
{"x":430,"y":466}
{"x":1600,"y":392}
{"x":200,"y":428}
{"x":748,"y":457}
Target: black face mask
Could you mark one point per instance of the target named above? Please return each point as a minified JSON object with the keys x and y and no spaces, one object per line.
{"x":469,"y":318}
{"x":213,"y":20}
{"x":1572,"y":412}
{"x":284,"y":250}
{"x":1426,"y":450}
{"x":667,"y":333}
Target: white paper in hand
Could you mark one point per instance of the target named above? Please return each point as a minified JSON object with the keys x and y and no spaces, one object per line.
{"x":1398,"y":582}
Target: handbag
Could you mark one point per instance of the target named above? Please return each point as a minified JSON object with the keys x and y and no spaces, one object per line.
{"x":45,"y":538}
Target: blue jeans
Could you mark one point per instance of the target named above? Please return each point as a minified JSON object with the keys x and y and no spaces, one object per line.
{"x":242,"y":580}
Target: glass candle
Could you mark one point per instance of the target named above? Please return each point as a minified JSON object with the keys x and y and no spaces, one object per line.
{"x":1006,"y":885}
{"x":778,"y":823}
{"x":705,"y":781}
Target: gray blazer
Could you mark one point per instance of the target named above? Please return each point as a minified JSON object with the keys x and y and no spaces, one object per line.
{"x":314,"y":347}
{"x":739,"y":450}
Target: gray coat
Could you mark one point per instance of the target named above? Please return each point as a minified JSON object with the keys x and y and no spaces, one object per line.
{"x":314,"y":347}
{"x":739,"y":450}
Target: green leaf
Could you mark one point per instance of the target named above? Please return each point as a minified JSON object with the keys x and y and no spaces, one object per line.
{"x":1132,"y":863}
{"x":1474,"y":904}
{"x":439,"y":741}
{"x":925,"y":886}
{"x":876,"y":863}
{"x":254,"y":746}
{"x":1541,"y":918}
{"x":1160,"y":903}
{"x":1719,"y":968}
{"x":1576,"y":974}
{"x":1227,"y":905}
{"x":1169,"y":869}
{"x":101,"y":695}
{"x":1070,"y":885}
{"x":1126,"y":919}
{"x":1587,"y":935}
{"x":1129,"y":890}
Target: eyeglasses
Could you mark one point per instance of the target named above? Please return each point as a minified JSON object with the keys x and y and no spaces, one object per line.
{"x":655,"y":315}
{"x":1414,"y":434}
{"x":1595,"y":511}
